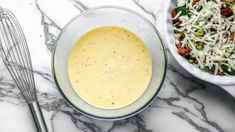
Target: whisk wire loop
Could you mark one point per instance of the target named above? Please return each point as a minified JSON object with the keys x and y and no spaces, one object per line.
{"x":15,"y":53}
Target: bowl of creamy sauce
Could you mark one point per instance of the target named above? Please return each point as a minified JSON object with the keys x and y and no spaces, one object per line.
{"x":109,"y":63}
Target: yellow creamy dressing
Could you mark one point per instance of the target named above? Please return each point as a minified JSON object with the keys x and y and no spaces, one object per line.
{"x":109,"y":67}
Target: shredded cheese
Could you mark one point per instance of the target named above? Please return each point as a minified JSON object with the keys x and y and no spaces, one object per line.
{"x":219,"y":48}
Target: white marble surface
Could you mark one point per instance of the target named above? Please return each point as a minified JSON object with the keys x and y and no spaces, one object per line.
{"x":184,"y":104}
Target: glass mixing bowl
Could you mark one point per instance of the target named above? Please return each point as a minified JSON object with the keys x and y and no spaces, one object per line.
{"x":103,"y":16}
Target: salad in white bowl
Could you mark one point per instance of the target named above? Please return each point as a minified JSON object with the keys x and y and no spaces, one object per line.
{"x":200,"y":35}
{"x":204,"y":31}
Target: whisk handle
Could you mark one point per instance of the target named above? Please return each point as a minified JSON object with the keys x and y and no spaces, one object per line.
{"x":38,"y":117}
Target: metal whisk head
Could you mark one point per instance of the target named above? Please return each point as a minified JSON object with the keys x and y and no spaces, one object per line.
{"x":15,"y":54}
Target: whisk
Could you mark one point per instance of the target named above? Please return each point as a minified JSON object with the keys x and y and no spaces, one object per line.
{"x":15,"y":55}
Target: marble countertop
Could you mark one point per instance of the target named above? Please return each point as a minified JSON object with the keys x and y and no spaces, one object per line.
{"x":184,"y":104}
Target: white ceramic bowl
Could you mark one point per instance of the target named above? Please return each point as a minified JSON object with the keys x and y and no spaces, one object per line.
{"x":103,"y":16}
{"x":227,"y":82}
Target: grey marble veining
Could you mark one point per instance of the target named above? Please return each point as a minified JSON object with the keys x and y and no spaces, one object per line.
{"x":184,"y":104}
